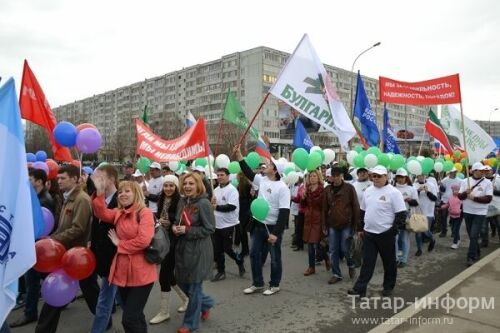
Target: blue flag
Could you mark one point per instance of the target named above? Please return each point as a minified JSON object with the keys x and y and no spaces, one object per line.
{"x":301,"y":139}
{"x":390,"y":145}
{"x":365,"y":115}
{"x":17,"y":240}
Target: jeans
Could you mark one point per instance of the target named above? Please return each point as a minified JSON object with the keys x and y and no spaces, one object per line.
{"x":403,"y":245}
{"x":485,"y":229}
{"x":340,"y":242}
{"x":456,"y":223}
{"x":259,"y":249}
{"x":104,"y":306}
{"x":473,"y":223}
{"x":428,"y":233}
{"x":134,"y":300}
{"x":374,"y":244}
{"x":198,"y":302}
{"x":33,"y":286}
{"x":311,"y":254}
{"x":223,"y":243}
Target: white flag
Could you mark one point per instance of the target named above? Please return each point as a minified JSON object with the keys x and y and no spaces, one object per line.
{"x":305,"y":85}
{"x":479,"y":143}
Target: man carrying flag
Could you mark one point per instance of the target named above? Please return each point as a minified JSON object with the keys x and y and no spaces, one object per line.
{"x":363,"y":111}
{"x":17,"y":239}
{"x":434,"y":128}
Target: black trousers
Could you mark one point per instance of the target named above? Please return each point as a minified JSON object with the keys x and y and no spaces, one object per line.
{"x":374,"y":244}
{"x":223,"y":243}
{"x":134,"y":300}
{"x":299,"y":230}
{"x":241,"y":237}
{"x":49,"y":316}
{"x":167,"y":278}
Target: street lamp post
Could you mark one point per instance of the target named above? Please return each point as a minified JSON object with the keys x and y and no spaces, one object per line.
{"x":352,"y":75}
{"x":489,"y":120}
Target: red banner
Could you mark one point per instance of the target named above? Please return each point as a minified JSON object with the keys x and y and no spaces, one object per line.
{"x":190,"y":145}
{"x":443,"y":90}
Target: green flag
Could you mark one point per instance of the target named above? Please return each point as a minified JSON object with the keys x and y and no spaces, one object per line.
{"x":233,"y":113}
{"x":145,"y":118}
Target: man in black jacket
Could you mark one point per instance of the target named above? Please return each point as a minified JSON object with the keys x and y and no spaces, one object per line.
{"x":38,"y":178}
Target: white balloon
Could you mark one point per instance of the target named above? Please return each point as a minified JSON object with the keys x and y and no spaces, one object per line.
{"x":222,"y":161}
{"x":438,"y":166}
{"x":293,"y":177}
{"x":414,"y":167}
{"x":420,"y":158}
{"x":371,"y":160}
{"x":314,"y":148}
{"x":350,"y":156}
{"x":173,"y":165}
{"x":282,"y":160}
{"x":290,"y":165}
{"x":329,"y":156}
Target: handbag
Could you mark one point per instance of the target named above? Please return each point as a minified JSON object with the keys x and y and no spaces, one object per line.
{"x":417,"y":221}
{"x":159,"y":246}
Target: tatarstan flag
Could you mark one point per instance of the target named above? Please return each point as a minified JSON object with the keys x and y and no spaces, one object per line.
{"x":434,"y":128}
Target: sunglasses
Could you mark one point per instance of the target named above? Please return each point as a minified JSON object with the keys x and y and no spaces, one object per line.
{"x":377,"y":175}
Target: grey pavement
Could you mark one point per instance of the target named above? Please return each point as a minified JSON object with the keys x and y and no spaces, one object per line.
{"x":305,"y":304}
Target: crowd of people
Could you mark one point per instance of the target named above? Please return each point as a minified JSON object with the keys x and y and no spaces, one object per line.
{"x":334,"y":210}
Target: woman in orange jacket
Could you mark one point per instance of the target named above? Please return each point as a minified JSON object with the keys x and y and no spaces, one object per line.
{"x":130,"y":271}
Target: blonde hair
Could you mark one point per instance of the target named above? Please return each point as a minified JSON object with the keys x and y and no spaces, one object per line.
{"x":139,"y":199}
{"x":198,"y":180}
{"x":318,"y":173}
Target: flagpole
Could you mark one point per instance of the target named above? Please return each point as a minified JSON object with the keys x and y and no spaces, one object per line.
{"x":465,"y":143}
{"x":254,"y":117}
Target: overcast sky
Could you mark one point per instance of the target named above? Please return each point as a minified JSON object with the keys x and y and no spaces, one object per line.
{"x":81,"y":48}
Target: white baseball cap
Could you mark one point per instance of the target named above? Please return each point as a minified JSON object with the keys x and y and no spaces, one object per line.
{"x":280,"y":167}
{"x":402,"y":172}
{"x":477,"y":166}
{"x":379,"y":170}
{"x":155,"y":165}
{"x":328,"y":172}
{"x":199,"y":168}
{"x":137,"y":173}
{"x":487,"y":168}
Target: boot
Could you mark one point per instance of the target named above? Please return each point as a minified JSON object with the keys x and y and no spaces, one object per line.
{"x":183,"y":297}
{"x":164,"y":313}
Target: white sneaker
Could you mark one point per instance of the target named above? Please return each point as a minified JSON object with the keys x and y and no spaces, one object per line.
{"x":271,"y":291}
{"x":252,"y":289}
{"x":454,"y":246}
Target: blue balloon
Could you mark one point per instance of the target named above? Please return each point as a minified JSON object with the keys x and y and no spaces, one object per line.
{"x":88,"y":170}
{"x":41,"y":156}
{"x":30,"y":157}
{"x":65,"y":134}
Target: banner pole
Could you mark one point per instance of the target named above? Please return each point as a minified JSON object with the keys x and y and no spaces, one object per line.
{"x":254,"y":117}
{"x":465,"y":144}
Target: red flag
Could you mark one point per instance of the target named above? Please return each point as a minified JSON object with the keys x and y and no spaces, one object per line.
{"x":35,"y":108}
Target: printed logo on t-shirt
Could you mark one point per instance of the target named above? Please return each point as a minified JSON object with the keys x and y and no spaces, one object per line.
{"x":480,"y":189}
{"x":223,"y":198}
{"x":382,"y":198}
{"x":405,"y":194}
{"x":269,"y":190}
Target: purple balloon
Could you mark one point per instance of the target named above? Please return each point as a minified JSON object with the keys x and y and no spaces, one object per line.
{"x":58,"y":289}
{"x":42,"y":166}
{"x":88,"y":140}
{"x":48,"y":221}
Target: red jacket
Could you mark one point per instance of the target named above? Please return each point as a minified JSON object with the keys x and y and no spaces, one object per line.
{"x":129,"y":267}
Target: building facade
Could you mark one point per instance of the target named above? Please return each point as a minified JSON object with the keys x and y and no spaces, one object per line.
{"x":201,"y":89}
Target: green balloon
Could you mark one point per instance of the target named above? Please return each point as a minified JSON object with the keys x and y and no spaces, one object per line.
{"x":457,"y":154}
{"x":460,"y":175}
{"x":143,"y":164}
{"x":359,"y":161}
{"x":396,"y":162}
{"x":183,"y":162}
{"x":200,"y":162}
{"x":427,"y":165}
{"x":447,"y":166}
{"x":259,"y":209}
{"x":253,"y":160}
{"x":288,"y":170}
{"x":300,"y":157}
{"x":234,"y":167}
{"x":314,"y":161}
{"x":384,"y":160}
{"x":374,"y":150}
{"x":358,"y":148}
{"x":235,"y":182}
{"x":342,"y":163}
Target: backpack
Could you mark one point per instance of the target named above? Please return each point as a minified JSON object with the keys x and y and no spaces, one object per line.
{"x":159,"y":246}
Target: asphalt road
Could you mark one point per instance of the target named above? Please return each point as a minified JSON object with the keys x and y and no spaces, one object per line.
{"x":305,"y":304}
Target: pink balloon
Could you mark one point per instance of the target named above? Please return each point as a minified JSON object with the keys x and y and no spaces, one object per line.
{"x":58,"y":289}
{"x":42,"y":166}
{"x":88,"y":140}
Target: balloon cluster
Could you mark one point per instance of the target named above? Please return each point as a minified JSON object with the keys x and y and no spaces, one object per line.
{"x":65,"y":268}
{"x":312,"y":160}
{"x":85,"y":137}
{"x":40,"y":161}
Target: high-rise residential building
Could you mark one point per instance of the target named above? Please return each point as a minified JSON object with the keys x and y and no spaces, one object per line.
{"x":201,"y":89}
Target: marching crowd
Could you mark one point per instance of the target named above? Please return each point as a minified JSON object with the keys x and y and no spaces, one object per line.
{"x":339,"y":216}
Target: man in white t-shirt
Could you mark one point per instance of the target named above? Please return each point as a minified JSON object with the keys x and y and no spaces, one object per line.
{"x":427,"y":197}
{"x":267,"y":235}
{"x":493,"y":207}
{"x":383,"y":211}
{"x":362,"y":183}
{"x":226,"y":203}
{"x":476,"y":193}
{"x":446,"y":193}
{"x":155,"y":186}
